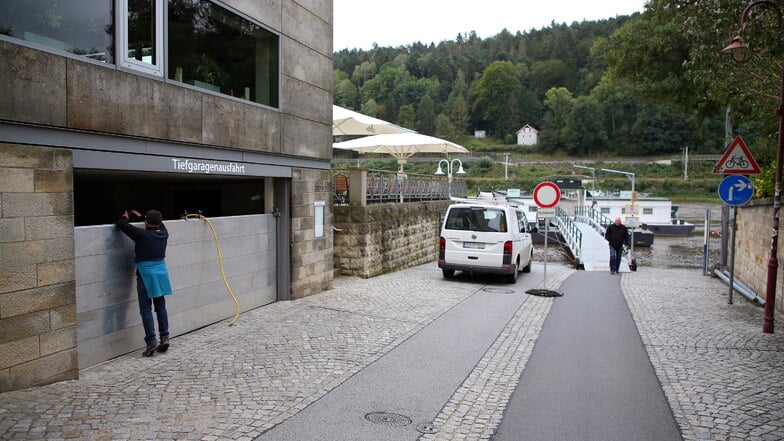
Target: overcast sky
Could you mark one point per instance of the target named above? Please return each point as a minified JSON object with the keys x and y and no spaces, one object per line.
{"x":360,"y":23}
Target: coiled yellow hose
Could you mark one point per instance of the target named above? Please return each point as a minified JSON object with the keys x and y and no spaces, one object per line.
{"x":220,"y":263}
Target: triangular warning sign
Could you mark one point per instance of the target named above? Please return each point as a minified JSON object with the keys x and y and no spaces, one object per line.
{"x":737,"y":160}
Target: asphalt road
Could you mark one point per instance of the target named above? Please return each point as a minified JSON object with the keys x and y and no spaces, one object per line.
{"x":589,"y":377}
{"x":399,"y":396}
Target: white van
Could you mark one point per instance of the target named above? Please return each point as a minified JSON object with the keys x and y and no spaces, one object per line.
{"x":485,"y":238}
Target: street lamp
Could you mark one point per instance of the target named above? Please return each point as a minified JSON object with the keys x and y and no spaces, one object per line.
{"x":630,"y":175}
{"x":741,"y":53}
{"x":450,"y":165}
{"x":593,"y":182}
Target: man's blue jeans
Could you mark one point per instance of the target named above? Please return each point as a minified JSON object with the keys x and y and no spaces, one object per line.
{"x":145,"y":309}
{"x":615,"y":258}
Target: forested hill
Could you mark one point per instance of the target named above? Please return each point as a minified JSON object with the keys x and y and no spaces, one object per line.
{"x":553,"y":79}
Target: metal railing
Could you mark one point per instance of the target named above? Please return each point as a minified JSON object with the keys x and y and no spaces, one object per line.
{"x":594,"y":218}
{"x":384,"y":186}
{"x":571,"y":234}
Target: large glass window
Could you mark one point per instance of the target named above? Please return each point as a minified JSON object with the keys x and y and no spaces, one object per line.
{"x":212,"y":48}
{"x":82,"y":27}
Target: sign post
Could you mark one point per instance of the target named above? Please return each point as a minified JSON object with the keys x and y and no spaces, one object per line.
{"x":735,"y":190}
{"x":546,"y":196}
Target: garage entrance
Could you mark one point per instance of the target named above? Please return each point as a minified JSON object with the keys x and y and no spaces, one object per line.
{"x":108,"y":316}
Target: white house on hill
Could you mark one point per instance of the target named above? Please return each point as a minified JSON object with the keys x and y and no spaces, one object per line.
{"x":527,"y":135}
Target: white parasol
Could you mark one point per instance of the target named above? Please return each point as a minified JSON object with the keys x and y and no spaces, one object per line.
{"x":400,"y":145}
{"x":349,"y":122}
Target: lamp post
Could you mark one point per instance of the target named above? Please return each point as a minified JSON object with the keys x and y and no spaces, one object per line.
{"x":593,"y":182}
{"x":450,"y":165}
{"x":630,"y":175}
{"x":741,"y":53}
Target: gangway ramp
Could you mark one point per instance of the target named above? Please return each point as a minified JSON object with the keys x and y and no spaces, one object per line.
{"x":584,"y":235}
{"x":596,"y":251}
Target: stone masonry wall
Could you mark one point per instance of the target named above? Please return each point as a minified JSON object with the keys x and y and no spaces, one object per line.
{"x":37,"y":284}
{"x":311,"y":257}
{"x":755,"y":221}
{"x":382,"y":238}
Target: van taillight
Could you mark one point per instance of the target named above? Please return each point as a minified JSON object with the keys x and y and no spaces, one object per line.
{"x":508,"y":247}
{"x":441,"y":243}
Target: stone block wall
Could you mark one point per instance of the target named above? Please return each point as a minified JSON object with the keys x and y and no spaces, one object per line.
{"x":382,"y":238}
{"x":37,"y":284}
{"x":311,"y":257}
{"x":755,"y":223}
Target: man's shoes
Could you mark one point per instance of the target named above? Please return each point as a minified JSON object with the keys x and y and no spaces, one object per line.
{"x":164,"y":346}
{"x":150,"y":350}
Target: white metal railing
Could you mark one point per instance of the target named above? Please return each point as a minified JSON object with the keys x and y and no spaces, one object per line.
{"x":572,"y":235}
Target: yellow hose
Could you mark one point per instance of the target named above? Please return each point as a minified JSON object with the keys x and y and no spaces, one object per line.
{"x":220,"y":263}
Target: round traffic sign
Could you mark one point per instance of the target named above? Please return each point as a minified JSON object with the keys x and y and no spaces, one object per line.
{"x":736,"y":190}
{"x":547,"y":195}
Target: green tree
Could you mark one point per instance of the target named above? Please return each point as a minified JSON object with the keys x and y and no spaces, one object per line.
{"x":345,"y":93}
{"x":370,"y":108}
{"x":406,"y":116}
{"x":497,"y":91}
{"x":548,"y":74}
{"x":445,"y":129}
{"x":458,"y":113}
{"x":363,"y":72}
{"x":426,"y":116}
{"x":584,"y":131}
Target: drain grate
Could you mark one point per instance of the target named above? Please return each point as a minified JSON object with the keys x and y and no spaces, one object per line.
{"x":498,"y":290}
{"x":388,"y":419}
{"x":427,"y":428}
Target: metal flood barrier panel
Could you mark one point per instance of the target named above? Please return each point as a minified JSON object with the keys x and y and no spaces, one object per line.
{"x":109,"y":324}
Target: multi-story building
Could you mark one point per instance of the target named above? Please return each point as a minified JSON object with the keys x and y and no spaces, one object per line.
{"x":187,"y":106}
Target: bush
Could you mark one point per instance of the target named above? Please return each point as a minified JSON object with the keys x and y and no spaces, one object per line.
{"x":485,"y":163}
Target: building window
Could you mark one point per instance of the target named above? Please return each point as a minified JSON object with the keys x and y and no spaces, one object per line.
{"x":140,"y":35}
{"x":81,"y":27}
{"x":605,"y":210}
{"x":212,"y":48}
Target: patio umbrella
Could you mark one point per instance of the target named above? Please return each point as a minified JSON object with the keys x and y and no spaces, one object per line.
{"x":400,"y":145}
{"x":348,"y":122}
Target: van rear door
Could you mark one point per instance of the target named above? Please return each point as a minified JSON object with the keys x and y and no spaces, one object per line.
{"x":475,"y":236}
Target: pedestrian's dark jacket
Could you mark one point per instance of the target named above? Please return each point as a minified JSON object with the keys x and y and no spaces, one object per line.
{"x":617,"y":235}
{"x":150,"y":242}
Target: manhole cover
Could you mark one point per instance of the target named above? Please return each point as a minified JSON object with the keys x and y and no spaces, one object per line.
{"x":498,"y":290}
{"x":427,"y":428}
{"x":388,"y":419}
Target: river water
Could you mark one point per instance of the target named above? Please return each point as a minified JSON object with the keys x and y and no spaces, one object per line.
{"x":667,"y":252}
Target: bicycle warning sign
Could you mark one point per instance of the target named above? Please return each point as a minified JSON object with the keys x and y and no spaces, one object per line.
{"x":737,"y":160}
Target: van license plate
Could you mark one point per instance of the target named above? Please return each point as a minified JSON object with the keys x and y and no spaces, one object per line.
{"x":474,"y":245}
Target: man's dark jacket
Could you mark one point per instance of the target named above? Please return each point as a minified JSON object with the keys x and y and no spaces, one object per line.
{"x":616,"y":235}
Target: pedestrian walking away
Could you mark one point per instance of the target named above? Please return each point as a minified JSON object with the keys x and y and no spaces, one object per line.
{"x":152,"y":277}
{"x":617,"y":235}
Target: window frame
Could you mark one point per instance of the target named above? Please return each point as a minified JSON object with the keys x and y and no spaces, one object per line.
{"x":121,"y":40}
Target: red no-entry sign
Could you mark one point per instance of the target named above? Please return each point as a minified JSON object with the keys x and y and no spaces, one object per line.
{"x":547,"y":195}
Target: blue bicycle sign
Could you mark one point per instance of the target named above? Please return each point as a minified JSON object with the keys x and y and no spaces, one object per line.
{"x":736,"y":190}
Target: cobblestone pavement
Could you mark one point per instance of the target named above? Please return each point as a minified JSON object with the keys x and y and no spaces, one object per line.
{"x":723,"y":378}
{"x":721,"y":375}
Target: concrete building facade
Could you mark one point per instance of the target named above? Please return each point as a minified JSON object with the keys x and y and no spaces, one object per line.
{"x":231,"y":120}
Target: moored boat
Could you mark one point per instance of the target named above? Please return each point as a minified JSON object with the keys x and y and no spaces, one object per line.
{"x":656,"y":215}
